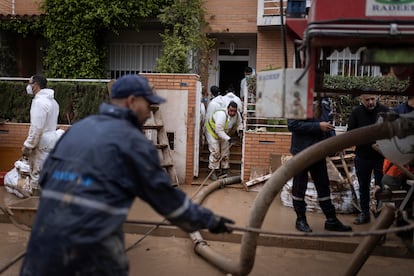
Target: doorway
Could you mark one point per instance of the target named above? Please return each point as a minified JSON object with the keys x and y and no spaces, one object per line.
{"x":231,"y":74}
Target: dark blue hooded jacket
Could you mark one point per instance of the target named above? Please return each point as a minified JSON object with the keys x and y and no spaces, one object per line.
{"x":93,"y":175}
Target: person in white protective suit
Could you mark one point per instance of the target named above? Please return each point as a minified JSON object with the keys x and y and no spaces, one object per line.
{"x":231,"y":97}
{"x":220,"y":126}
{"x":42,"y":135}
{"x":215,"y":104}
{"x":248,"y":72}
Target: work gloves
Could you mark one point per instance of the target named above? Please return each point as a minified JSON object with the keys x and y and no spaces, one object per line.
{"x":220,"y":225}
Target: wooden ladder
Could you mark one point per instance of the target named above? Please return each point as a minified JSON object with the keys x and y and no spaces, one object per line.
{"x":155,"y":131}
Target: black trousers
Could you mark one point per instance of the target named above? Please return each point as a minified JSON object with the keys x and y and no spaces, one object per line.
{"x":364,"y":169}
{"x":319,"y":174}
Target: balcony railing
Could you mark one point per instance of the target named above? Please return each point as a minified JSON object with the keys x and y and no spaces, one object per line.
{"x":268,"y":12}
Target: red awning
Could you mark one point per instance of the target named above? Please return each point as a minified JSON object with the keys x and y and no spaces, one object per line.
{"x":297,"y":26}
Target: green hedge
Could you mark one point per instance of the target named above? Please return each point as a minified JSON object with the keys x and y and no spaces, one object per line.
{"x":383,"y":83}
{"x":76,"y":100}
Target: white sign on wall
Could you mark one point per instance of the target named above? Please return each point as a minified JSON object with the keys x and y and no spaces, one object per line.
{"x":389,"y":8}
{"x":278,"y":96}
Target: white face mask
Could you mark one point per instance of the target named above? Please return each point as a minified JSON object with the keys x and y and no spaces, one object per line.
{"x":29,"y":89}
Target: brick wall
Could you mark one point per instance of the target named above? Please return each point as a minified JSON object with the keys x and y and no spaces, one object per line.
{"x":231,"y":16}
{"x":258,"y":149}
{"x":29,"y":7}
{"x":12,"y":135}
{"x":21,"y":7}
{"x":234,"y":16}
{"x":260,"y":146}
{"x":270,"y":50}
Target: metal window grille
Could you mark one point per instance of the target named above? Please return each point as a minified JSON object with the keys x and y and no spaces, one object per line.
{"x":132,"y":58}
{"x":345,"y":63}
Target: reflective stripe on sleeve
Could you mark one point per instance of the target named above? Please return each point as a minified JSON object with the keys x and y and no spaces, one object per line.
{"x":84,"y":202}
{"x":180,"y":210}
{"x":211,"y":125}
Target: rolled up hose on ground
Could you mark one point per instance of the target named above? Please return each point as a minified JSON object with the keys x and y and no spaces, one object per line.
{"x":400,"y":128}
{"x":201,"y":247}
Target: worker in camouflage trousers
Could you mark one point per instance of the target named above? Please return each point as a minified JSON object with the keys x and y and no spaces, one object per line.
{"x":221,"y":125}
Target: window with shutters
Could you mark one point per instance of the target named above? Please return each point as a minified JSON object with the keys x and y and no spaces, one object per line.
{"x":132,"y":58}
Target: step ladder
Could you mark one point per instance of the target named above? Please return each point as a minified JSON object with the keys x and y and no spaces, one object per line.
{"x":154,"y":130}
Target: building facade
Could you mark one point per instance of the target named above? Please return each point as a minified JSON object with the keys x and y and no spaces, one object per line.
{"x":246,"y":33}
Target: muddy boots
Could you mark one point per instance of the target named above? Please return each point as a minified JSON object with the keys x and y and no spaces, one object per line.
{"x":216,"y":174}
{"x":224,"y":172}
{"x":213,"y":175}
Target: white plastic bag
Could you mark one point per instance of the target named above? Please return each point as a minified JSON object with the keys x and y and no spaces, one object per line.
{"x":17,"y":180}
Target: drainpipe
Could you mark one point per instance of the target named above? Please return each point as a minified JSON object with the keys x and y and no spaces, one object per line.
{"x":400,"y":128}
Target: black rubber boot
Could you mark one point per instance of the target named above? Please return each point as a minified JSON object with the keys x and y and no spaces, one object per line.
{"x":333,"y":224}
{"x":362,"y":218}
{"x":302,"y":225}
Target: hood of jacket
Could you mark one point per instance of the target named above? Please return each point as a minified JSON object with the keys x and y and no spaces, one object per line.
{"x":46,"y":93}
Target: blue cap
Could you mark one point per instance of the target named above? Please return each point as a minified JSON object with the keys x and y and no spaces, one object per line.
{"x":134,"y":85}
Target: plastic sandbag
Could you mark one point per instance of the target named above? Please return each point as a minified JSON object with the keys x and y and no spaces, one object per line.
{"x":17,"y":180}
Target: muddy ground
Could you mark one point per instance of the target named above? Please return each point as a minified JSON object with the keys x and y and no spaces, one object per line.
{"x":171,"y":253}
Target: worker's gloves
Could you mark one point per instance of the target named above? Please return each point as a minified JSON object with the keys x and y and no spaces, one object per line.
{"x":220,"y":225}
{"x":26,"y":151}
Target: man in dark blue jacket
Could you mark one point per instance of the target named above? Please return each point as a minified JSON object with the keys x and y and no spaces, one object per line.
{"x":90,"y":181}
{"x":304,"y":134}
{"x":406,"y":107}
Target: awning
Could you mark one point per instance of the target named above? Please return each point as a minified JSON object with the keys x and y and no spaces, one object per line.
{"x":297,"y":26}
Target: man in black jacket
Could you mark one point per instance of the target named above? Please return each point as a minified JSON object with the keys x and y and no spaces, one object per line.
{"x":304,"y":134}
{"x":367,"y":159}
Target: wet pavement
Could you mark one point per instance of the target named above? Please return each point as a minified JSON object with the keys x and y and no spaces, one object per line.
{"x":168,"y":251}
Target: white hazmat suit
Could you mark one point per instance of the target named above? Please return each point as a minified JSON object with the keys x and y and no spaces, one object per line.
{"x":219,"y":128}
{"x":229,"y":97}
{"x":42,"y":135}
